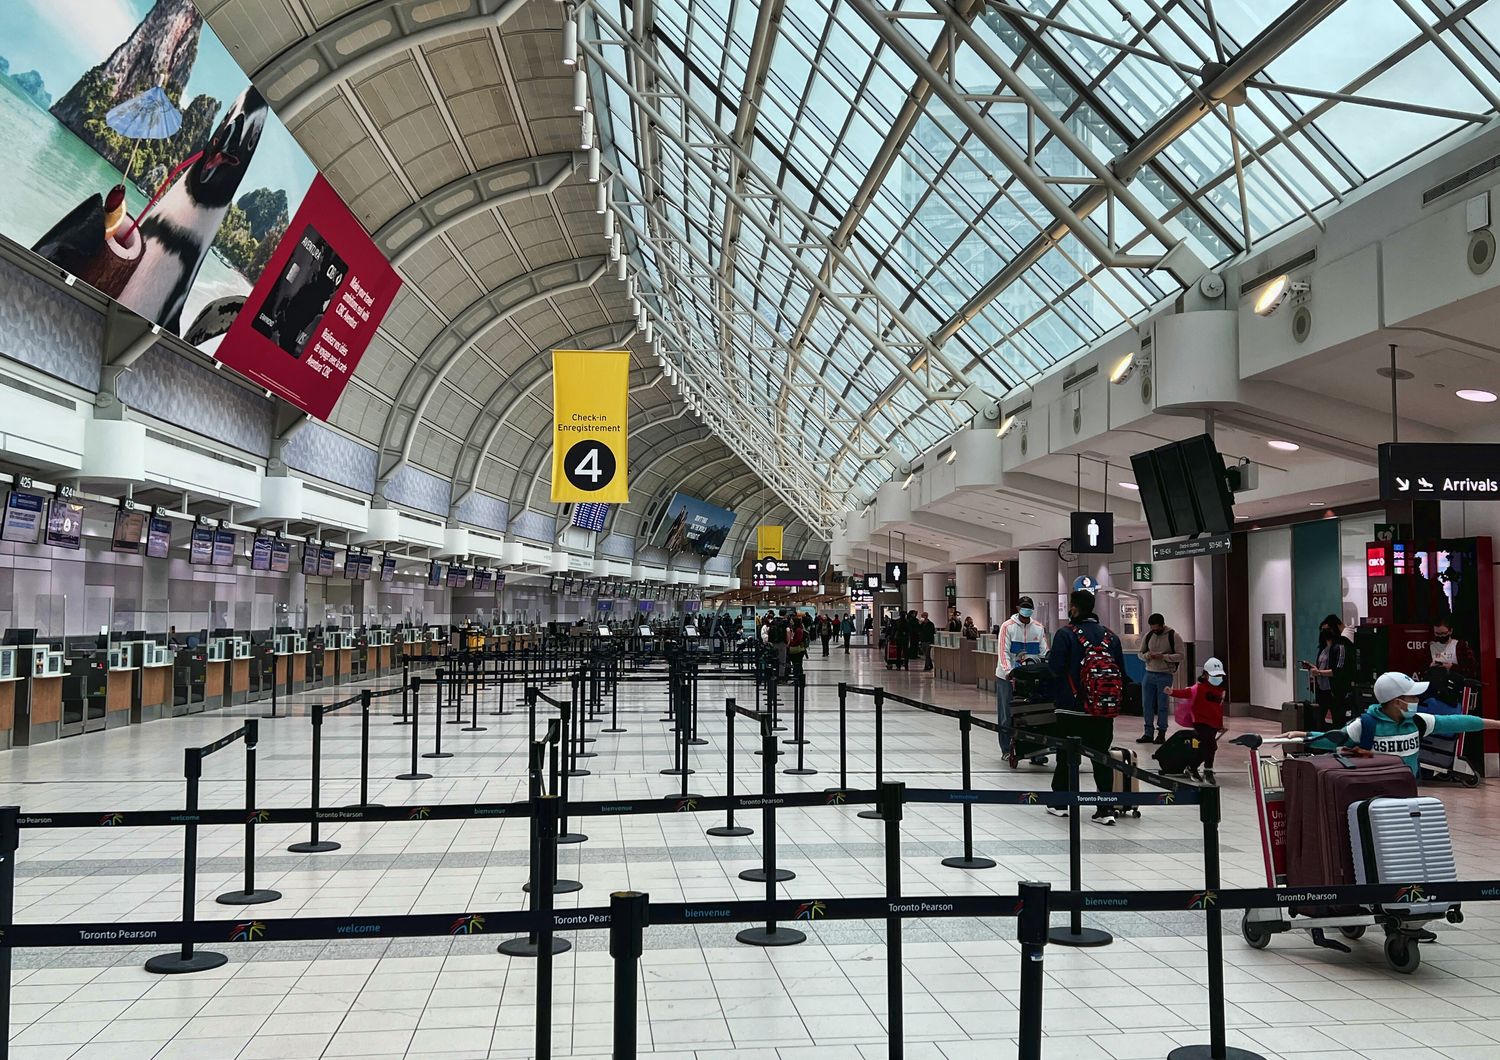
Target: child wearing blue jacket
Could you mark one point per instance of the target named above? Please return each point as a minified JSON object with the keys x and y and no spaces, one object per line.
{"x":1394,"y":726}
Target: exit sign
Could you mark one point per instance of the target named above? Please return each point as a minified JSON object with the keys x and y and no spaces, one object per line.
{"x":1140,"y":572}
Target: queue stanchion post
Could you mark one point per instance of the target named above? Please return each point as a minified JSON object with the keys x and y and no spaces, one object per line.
{"x":578,"y":738}
{"x":546,"y":810}
{"x":405,"y":690}
{"x":614,"y":704}
{"x":10,"y":843}
{"x":1209,"y":808}
{"x":187,"y":959}
{"x":444,"y":677}
{"x":249,"y":894}
{"x":768,"y":872}
{"x":879,"y":697}
{"x":526,"y":946}
{"x":275,"y":683}
{"x":843,"y":736}
{"x":891,"y":797}
{"x":1075,"y":934}
{"x":692,"y":734}
{"x":366,"y":696}
{"x":416,"y":714}
{"x":799,"y":728}
{"x":456,"y":689}
{"x":729,"y":829}
{"x":773,"y":934}
{"x":474,"y":725}
{"x":563,"y":835}
{"x":315,"y":845}
{"x":629,"y":914}
{"x":1031,"y":933}
{"x":968,"y":860}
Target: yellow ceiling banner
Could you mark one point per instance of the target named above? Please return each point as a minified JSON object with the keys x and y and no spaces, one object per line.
{"x":590,"y":402}
{"x":768,"y":541}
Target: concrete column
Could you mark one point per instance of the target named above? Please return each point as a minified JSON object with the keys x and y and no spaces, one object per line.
{"x":1172,"y":594}
{"x":1038,"y":580}
{"x":934,"y":598}
{"x":973,"y":600}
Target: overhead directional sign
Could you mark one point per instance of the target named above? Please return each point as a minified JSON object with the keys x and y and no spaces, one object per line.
{"x":1093,"y":531}
{"x":1218,"y":545}
{"x":1439,"y":471}
{"x":590,"y":400}
{"x":771,"y":573}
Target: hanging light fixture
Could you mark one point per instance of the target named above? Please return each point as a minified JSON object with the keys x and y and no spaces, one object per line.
{"x":601,"y":194}
{"x":580,"y":89}
{"x":614,"y":247}
{"x":609,"y":224}
{"x":593,"y":169}
{"x":621,"y":266}
{"x":650,"y":328}
{"x":586,"y":138}
{"x":570,"y":41}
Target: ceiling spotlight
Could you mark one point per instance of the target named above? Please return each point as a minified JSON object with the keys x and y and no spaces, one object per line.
{"x":570,"y":42}
{"x":908,"y":480}
{"x":1284,"y":446}
{"x":1129,"y":486}
{"x":952,"y":455}
{"x":614,"y":247}
{"x":1124,"y":368}
{"x":1006,"y":426}
{"x":609,"y":224}
{"x":586,"y":132}
{"x":1483,"y":397}
{"x":650,"y":326}
{"x":635,"y":306}
{"x":593,"y":169}
{"x":580,"y":90}
{"x":1272,"y":295}
{"x":620,"y":268}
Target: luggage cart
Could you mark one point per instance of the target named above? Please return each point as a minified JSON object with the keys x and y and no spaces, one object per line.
{"x":1258,"y":925}
{"x":1442,"y":757}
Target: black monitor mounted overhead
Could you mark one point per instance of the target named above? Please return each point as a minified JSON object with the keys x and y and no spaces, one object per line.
{"x":1184,"y":489}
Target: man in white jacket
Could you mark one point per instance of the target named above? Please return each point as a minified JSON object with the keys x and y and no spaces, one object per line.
{"x":1020,"y":636}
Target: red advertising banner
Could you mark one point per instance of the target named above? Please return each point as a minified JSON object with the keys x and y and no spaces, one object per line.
{"x":311,"y":315}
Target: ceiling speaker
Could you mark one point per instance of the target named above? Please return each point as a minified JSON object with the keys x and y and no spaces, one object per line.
{"x":1481,"y":252}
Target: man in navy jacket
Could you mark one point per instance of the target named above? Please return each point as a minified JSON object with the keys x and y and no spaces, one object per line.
{"x":1096,"y":731}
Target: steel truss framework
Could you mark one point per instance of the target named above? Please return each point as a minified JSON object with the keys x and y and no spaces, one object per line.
{"x":855,"y":222}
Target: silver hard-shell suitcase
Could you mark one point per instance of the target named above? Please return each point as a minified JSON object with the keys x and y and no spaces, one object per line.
{"x":1403,"y":841}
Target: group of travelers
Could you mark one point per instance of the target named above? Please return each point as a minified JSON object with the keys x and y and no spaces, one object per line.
{"x":791,"y":634}
{"x":909,"y":637}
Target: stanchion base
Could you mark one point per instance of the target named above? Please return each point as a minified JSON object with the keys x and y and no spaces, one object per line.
{"x":870,"y":815}
{"x":676,"y":772}
{"x":968,"y":863}
{"x":572,"y":837}
{"x":759,"y":875}
{"x":365,"y":806}
{"x":807,"y":771}
{"x":173,"y":963}
{"x":437,"y":754}
{"x":1206,"y":1052}
{"x":398,"y":721}
{"x":614,"y":730}
{"x":586,"y":739}
{"x":323,"y":846}
{"x":578,"y":773}
{"x":729,"y":831}
{"x":524,"y":947}
{"x":413,"y":776}
{"x":1063,"y":936}
{"x":585,"y":754}
{"x":698,"y":741}
{"x":780,"y":936}
{"x":796,"y":743}
{"x":475,"y":728}
{"x":560,"y":887}
{"x":259,"y":896}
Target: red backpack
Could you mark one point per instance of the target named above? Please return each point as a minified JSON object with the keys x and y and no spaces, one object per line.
{"x":1101,"y":686}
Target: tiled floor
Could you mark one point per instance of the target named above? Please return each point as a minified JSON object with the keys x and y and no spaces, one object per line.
{"x":703,"y":995}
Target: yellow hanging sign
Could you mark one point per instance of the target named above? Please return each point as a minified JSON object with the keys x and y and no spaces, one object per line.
{"x":590,"y":404}
{"x":768,"y":542}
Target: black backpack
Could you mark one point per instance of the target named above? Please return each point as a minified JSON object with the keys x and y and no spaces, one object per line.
{"x":778,"y":632}
{"x":1182,"y":751}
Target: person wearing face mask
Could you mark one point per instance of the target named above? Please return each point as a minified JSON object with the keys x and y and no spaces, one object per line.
{"x":1332,"y":675}
{"x":1206,"y":706}
{"x":1452,"y":661}
{"x":1162,"y":655}
{"x":1393,"y":725}
{"x":1021,"y":637}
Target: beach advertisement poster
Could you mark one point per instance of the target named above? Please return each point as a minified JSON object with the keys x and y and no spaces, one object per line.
{"x":140,"y":159}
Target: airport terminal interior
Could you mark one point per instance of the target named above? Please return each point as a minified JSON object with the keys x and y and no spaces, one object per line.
{"x":756,"y":529}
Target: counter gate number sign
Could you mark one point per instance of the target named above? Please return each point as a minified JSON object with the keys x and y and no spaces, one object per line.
{"x":589,"y":465}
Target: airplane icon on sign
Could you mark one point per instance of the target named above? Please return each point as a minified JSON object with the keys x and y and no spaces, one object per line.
{"x":1422,"y":483}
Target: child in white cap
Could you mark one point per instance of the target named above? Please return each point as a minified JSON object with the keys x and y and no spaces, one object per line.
{"x":1205,"y":712}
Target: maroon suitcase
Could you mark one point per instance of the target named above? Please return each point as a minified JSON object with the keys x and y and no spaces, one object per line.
{"x":1319,"y":792}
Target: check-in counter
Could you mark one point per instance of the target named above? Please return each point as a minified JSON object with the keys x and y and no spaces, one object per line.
{"x":338,"y":655}
{"x":239,"y":669}
{"x":9,"y":679}
{"x":986,"y":656}
{"x":216,"y":663}
{"x":119,"y":686}
{"x":153,"y":680}
{"x":38,"y":710}
{"x":953,"y":658}
{"x":379,"y":652}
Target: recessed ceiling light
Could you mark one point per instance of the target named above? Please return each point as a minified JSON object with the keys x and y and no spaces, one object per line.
{"x":1483,"y":397}
{"x":1284,"y":446}
{"x":1129,"y":486}
{"x":1316,"y":504}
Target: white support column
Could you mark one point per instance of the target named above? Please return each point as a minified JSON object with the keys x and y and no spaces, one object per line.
{"x":1172,"y":594}
{"x":973,"y":599}
{"x":934,"y":598}
{"x":1038,"y":580}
